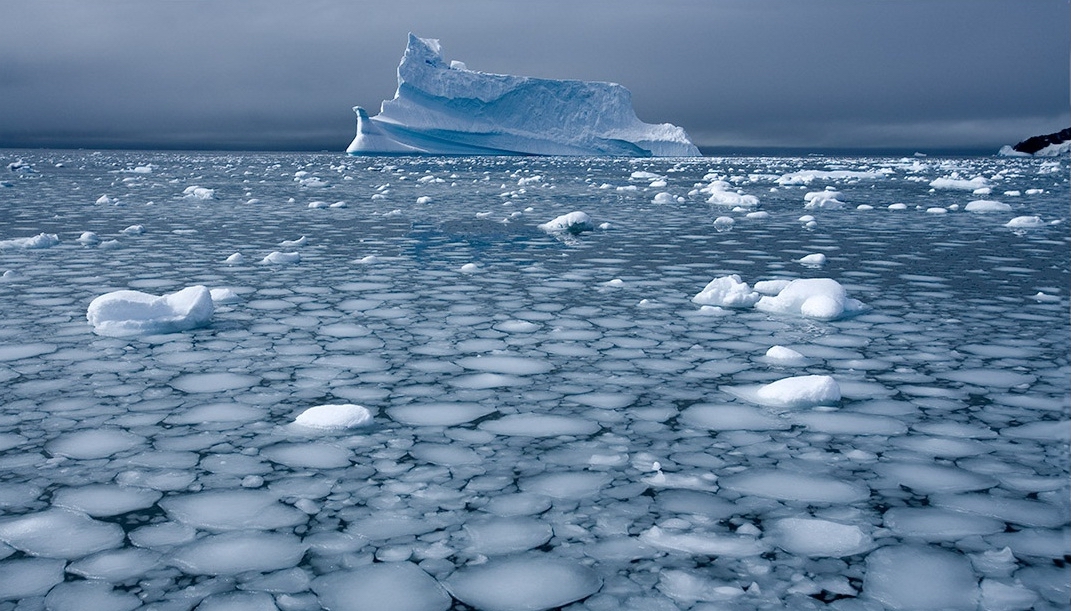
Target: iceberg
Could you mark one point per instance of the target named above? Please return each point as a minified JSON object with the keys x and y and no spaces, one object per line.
{"x":444,"y":108}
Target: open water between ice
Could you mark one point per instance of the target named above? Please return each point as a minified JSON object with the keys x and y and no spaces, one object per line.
{"x":554,"y":422}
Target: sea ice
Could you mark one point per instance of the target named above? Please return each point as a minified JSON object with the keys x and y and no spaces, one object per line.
{"x":226,"y":510}
{"x":343,"y":416}
{"x":386,"y":586}
{"x":540,"y":425}
{"x":523,"y":583}
{"x":239,"y":552}
{"x":813,"y":260}
{"x":499,"y":536}
{"x":125,"y":313}
{"x":1025,"y":222}
{"x":41,"y":240}
{"x":59,"y":533}
{"x":94,"y":443}
{"x":198,"y":193}
{"x":780,"y":355}
{"x":90,"y":595}
{"x":281,"y":258}
{"x":730,"y":417}
{"x":819,"y":538}
{"x":438,"y":414}
{"x":727,"y":292}
{"x":800,"y":391}
{"x":704,"y":543}
{"x":573,"y":223}
{"x":101,"y":500}
{"x":826,"y":200}
{"x":23,"y":578}
{"x":818,"y":298}
{"x":791,"y":486}
{"x":923,"y":578}
{"x":983,"y":206}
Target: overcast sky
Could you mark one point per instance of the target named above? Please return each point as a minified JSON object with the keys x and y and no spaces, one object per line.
{"x":282,"y":75}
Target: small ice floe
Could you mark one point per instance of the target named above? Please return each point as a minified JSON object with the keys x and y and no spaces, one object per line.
{"x":818,"y":298}
{"x":339,"y":204}
{"x":771,"y":287}
{"x":134,"y":230}
{"x":920,"y":577}
{"x":721,"y":194}
{"x":808,"y":221}
{"x":1046,"y":298}
{"x":724,"y":223}
{"x":10,"y":274}
{"x":799,"y":391}
{"x":382,"y":585}
{"x":985,"y":205}
{"x":318,"y":204}
{"x":281,"y":258}
{"x":758,"y":214}
{"x":1025,"y":222}
{"x":342,"y":416}
{"x":104,"y":200}
{"x":573,"y":223}
{"x":198,"y":193}
{"x":423,"y":199}
{"x":727,"y":292}
{"x":955,"y":182}
{"x":41,"y":240}
{"x":897,"y":207}
{"x":110,"y":244}
{"x":19,"y":166}
{"x":502,"y":583}
{"x":470,"y":268}
{"x":982,"y":191}
{"x":664,"y":198}
{"x":367,"y":260}
{"x":88,"y":238}
{"x":125,"y":313}
{"x":235,"y":259}
{"x":936,"y":210}
{"x":785,"y":357}
{"x":615,"y":283}
{"x":818,"y":538}
{"x":704,"y":543}
{"x":786,"y":485}
{"x":224,"y":295}
{"x":298,"y":243}
{"x":815,"y":260}
{"x":827,"y":199}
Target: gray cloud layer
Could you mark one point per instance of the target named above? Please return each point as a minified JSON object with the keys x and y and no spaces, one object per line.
{"x":269,"y":74}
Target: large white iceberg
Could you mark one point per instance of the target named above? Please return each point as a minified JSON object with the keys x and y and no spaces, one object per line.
{"x":444,"y":108}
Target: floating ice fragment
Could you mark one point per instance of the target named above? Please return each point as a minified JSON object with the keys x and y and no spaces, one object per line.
{"x":512,"y":365}
{"x":90,"y":595}
{"x":198,"y":193}
{"x":724,"y":223}
{"x":24,"y":578}
{"x":819,"y":538}
{"x":499,"y":536}
{"x":540,"y":425}
{"x":391,"y":586}
{"x":897,"y":207}
{"x":424,"y":199}
{"x":818,"y":298}
{"x":781,"y":355}
{"x":569,"y":485}
{"x":920,"y":578}
{"x":225,"y":510}
{"x":41,"y":240}
{"x":125,"y":313}
{"x":89,"y":444}
{"x":928,"y":478}
{"x":438,"y":414}
{"x":88,"y":238}
{"x":298,"y":243}
{"x":235,"y":259}
{"x":1025,"y":222}
{"x":213,"y":382}
{"x":281,"y":258}
{"x":800,"y":391}
{"x":954,"y":182}
{"x":343,"y":416}
{"x":690,"y":587}
{"x":573,"y":223}
{"x":786,"y":485}
{"x":823,"y":199}
{"x":730,"y":417}
{"x":936,"y":210}
{"x":935,"y":524}
{"x":663,"y":198}
{"x":704,"y":543}
{"x":814,"y":260}
{"x":238,"y":552}
{"x":104,"y":200}
{"x":983,"y":206}
{"x":60,"y":533}
{"x":524,"y":583}
{"x":101,"y":500}
{"x":727,"y":292}
{"x":469,"y":268}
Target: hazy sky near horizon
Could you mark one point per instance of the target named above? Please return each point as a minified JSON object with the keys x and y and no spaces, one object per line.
{"x":283,"y":75}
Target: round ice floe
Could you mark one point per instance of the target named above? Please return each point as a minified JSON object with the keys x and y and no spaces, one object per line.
{"x":90,"y":596}
{"x":239,"y":552}
{"x":517,"y":504}
{"x":1025,"y":222}
{"x":791,"y":486}
{"x":926,"y":478}
{"x":724,"y":223}
{"x":813,"y":260}
{"x":800,"y":391}
{"x":934,"y":524}
{"x":213,"y":382}
{"x":99,"y":500}
{"x":920,"y":577}
{"x":506,"y":535}
{"x":573,"y":223}
{"x":93,"y":443}
{"x":438,"y":414}
{"x":727,"y":292}
{"x":393,"y":586}
{"x":819,"y":538}
{"x":27,"y":577}
{"x":568,"y":485}
{"x":524,"y":583}
{"x":124,"y":313}
{"x":843,"y":423}
{"x":540,"y":425}
{"x":704,"y":543}
{"x":983,"y":206}
{"x":1024,"y":512}
{"x":510,"y":365}
{"x":780,"y":355}
{"x":730,"y":417}
{"x":235,"y":259}
{"x":308,"y":455}
{"x":115,"y":565}
{"x":343,"y":416}
{"x":216,"y":412}
{"x":819,"y":298}
{"x":690,"y":587}
{"x":281,"y":258}
{"x":445,"y":454}
{"x":232,"y":510}
{"x":59,"y":533}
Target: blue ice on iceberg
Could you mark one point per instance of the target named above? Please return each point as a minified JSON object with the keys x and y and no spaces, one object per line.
{"x":444,"y":108}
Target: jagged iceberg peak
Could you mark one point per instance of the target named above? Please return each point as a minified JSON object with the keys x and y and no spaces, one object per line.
{"x":443,"y":108}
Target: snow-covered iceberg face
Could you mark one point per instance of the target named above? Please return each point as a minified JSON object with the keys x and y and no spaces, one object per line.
{"x":444,"y":108}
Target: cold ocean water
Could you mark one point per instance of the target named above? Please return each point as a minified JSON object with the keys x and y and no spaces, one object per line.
{"x":555,"y":421}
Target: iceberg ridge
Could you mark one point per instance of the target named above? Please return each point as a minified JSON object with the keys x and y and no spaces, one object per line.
{"x":444,"y":108}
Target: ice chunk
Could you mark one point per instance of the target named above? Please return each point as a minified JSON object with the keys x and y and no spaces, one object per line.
{"x":819,"y":298}
{"x":438,"y":414}
{"x":90,"y":596}
{"x":513,"y":365}
{"x":572,"y":223}
{"x":800,"y":391}
{"x":690,"y":587}
{"x":125,"y":313}
{"x":920,"y":578}
{"x":59,"y":533}
{"x":94,"y":443}
{"x":730,"y":417}
{"x":524,"y":583}
{"x":41,"y":240}
{"x":704,"y":543}
{"x":225,"y":510}
{"x":198,"y":193}
{"x":392,"y":586}
{"x":780,"y":355}
{"x":823,"y":199}
{"x":281,"y":258}
{"x":27,"y":577}
{"x":567,"y":485}
{"x":238,"y":552}
{"x":727,"y":292}
{"x":928,"y":478}
{"x":819,"y":538}
{"x":100,"y":500}
{"x":308,"y":455}
{"x":791,"y":486}
{"x":440,"y":110}
{"x":844,"y":423}
{"x":344,"y":416}
{"x":934,"y":524}
{"x":813,"y":260}
{"x":506,"y":535}
{"x":1025,"y":222}
{"x":984,"y":205}
{"x":955,"y":182}
{"x":115,"y":565}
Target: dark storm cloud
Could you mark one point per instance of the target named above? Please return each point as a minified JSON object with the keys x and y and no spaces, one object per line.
{"x":283,"y":75}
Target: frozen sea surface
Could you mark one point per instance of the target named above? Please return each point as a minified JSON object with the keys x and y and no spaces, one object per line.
{"x":504,"y":418}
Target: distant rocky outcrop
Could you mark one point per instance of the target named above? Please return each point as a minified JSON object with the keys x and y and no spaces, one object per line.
{"x":1048,"y":145}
